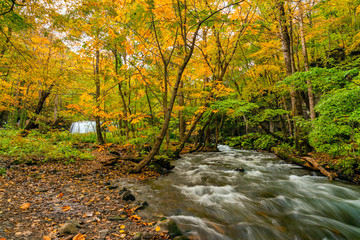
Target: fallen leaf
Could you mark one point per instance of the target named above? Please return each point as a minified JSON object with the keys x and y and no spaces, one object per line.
{"x":60,"y":195}
{"x":79,"y":237}
{"x":2,"y":238}
{"x":157,"y":229}
{"x":25,"y":206}
{"x":66,"y":208}
{"x":46,"y":238}
{"x":122,"y":226}
{"x":122,"y":231}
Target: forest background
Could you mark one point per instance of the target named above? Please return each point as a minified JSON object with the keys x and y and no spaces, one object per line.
{"x":155,"y":75}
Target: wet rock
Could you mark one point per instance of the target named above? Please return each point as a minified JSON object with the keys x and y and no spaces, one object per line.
{"x":127,"y":196}
{"x":103,"y":234}
{"x":68,"y":228}
{"x":116,"y":218}
{"x":170,"y":226}
{"x":122,"y":190}
{"x":137,"y":236}
{"x":143,"y":205}
{"x":239,"y":169}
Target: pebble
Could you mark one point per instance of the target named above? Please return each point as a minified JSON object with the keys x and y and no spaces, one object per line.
{"x":68,"y":228}
{"x":137,"y":236}
{"x":103,"y":234}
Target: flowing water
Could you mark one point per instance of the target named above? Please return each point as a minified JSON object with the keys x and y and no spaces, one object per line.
{"x":270,"y":200}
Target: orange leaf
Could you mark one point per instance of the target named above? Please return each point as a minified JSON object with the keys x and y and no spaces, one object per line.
{"x":2,"y":238}
{"x":66,"y":208}
{"x":60,"y":195}
{"x":157,"y":228}
{"x":79,"y":237}
{"x":46,"y":238}
{"x":25,"y":206}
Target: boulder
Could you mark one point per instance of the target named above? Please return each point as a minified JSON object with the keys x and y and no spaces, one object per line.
{"x":170,"y":226}
{"x":127,"y":196}
{"x":239,"y":169}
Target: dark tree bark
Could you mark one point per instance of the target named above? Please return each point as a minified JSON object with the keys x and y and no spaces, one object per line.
{"x":99,"y":136}
{"x":44,"y":94}
{"x":286,"y":49}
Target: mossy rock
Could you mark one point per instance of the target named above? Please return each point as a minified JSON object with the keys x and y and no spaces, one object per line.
{"x":170,"y":226}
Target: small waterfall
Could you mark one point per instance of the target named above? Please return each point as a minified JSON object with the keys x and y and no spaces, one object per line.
{"x":83,"y":127}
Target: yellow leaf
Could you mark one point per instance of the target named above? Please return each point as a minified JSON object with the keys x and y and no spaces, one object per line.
{"x":157,"y":229}
{"x":122,"y":226}
{"x":79,"y":237}
{"x":25,"y":206}
{"x":66,"y":208}
{"x":122,"y":231}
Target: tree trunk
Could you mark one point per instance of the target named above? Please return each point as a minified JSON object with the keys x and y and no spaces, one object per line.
{"x":181,"y":69}
{"x":164,"y":128}
{"x":306,"y":62}
{"x":99,"y":136}
{"x":182,"y":122}
{"x":43,"y":96}
{"x":286,"y":49}
{"x":188,"y":134}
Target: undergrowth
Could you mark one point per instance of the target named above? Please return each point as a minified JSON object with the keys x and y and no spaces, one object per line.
{"x":38,"y":147}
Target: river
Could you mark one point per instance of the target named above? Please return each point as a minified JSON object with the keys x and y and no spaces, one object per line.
{"x":270,"y":200}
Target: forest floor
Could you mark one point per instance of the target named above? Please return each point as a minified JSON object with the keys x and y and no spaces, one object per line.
{"x":40,"y":201}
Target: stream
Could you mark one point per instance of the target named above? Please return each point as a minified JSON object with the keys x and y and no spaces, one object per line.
{"x":270,"y":200}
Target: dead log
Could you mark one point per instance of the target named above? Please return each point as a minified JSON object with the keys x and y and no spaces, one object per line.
{"x":330,"y":175}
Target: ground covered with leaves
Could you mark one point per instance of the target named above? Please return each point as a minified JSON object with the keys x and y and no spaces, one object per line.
{"x":38,"y":201}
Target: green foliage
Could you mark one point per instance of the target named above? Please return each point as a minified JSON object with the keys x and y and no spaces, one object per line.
{"x":234,"y":107}
{"x":253,"y":141}
{"x":323,"y":80}
{"x":286,"y":148}
{"x":336,"y":130}
{"x":56,"y":146}
{"x":269,"y":115}
{"x":2,"y":171}
{"x":347,"y":165}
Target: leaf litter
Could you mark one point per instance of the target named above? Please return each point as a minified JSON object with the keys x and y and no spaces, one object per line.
{"x":36,"y":201}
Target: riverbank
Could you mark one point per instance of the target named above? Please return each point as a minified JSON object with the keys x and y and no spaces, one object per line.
{"x":54,"y":200}
{"x":321,"y":163}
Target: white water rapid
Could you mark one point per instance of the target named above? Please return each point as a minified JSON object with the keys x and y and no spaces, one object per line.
{"x":271,"y":200}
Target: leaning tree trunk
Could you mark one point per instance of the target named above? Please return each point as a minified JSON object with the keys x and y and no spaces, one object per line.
{"x":43,"y":96}
{"x":165,"y":126}
{"x":181,"y":69}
